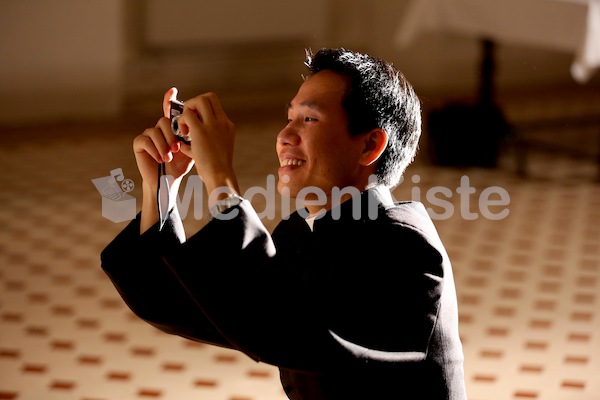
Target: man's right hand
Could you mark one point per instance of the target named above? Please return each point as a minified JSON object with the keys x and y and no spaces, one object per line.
{"x":156,"y":146}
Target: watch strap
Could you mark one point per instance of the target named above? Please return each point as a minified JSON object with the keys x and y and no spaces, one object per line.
{"x":225,"y":204}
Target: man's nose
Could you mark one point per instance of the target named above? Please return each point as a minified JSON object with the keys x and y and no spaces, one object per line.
{"x":288,"y":136}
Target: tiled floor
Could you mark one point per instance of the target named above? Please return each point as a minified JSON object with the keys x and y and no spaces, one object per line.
{"x":528,"y":284}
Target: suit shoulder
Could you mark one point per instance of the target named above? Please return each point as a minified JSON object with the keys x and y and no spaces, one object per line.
{"x":411,"y":214}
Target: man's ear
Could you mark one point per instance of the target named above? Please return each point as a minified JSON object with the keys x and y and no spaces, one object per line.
{"x":375,"y":142}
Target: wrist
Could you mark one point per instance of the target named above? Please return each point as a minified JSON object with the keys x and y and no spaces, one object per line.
{"x":224,"y":203}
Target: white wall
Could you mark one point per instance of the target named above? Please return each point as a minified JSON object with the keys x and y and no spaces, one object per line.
{"x":60,"y":59}
{"x":73,"y":59}
{"x":178,"y":22}
{"x":445,"y":63}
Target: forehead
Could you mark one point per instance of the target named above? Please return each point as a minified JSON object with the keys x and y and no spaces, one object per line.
{"x":323,"y":90}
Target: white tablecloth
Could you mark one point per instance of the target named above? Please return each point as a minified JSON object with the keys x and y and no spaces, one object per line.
{"x":564,"y":25}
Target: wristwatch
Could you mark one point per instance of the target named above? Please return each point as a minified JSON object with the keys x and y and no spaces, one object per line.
{"x":225,"y":204}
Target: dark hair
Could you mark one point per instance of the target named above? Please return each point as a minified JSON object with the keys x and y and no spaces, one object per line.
{"x":379,"y":96}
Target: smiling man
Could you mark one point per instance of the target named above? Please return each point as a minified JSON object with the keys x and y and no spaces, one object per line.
{"x":352,"y":297}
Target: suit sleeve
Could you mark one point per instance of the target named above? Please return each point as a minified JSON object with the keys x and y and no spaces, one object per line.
{"x":135,"y":265}
{"x":353,"y":309}
{"x":331,"y":300}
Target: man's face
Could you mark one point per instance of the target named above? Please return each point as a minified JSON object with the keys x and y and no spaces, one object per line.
{"x":315,"y":148}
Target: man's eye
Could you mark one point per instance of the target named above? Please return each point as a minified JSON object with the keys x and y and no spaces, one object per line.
{"x":309,"y":119}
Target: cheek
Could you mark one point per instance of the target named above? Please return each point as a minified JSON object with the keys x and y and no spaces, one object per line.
{"x":340,"y":156}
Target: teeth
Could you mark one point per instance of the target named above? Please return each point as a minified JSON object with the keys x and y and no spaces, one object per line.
{"x":290,"y":161}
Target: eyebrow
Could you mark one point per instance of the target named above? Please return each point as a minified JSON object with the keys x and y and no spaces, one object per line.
{"x":308,"y":103}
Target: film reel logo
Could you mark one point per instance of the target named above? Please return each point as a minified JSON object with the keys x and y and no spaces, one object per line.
{"x":117,"y":204}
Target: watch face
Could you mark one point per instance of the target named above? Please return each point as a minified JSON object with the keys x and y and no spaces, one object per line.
{"x":225,"y":204}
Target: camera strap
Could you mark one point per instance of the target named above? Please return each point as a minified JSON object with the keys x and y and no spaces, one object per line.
{"x":162,"y":194}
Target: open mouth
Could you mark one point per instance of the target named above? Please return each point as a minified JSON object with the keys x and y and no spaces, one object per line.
{"x":292,"y":161}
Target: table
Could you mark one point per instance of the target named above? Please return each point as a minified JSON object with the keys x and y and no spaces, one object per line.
{"x":564,"y":25}
{"x":572,"y":26}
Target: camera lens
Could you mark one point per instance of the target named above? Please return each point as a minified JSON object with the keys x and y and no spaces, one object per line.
{"x":177,"y":130}
{"x":175,"y":126}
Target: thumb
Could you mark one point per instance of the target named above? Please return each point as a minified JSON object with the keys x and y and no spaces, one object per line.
{"x":170,"y":95}
{"x":186,"y":149}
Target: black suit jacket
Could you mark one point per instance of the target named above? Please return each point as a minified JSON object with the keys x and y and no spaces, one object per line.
{"x":362,"y":307}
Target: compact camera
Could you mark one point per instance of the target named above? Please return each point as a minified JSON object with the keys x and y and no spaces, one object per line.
{"x":174,"y":113}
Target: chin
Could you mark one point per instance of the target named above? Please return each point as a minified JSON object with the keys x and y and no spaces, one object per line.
{"x":287,"y":190}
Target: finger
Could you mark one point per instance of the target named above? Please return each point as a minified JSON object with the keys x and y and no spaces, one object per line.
{"x":186,"y":150}
{"x":170,"y":95}
{"x":143,"y":144}
{"x":215,"y":104}
{"x":155,"y":145}
{"x":164,"y":124}
{"x":190,"y":121}
{"x":206,"y":105}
